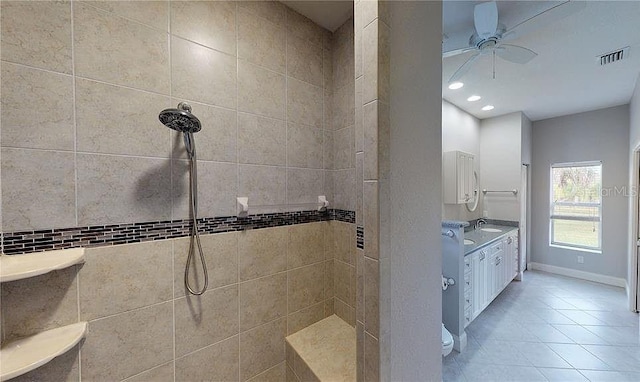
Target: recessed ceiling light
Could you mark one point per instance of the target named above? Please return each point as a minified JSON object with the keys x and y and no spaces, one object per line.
{"x":456,"y":85}
{"x":487,"y":108}
{"x":473,"y":98}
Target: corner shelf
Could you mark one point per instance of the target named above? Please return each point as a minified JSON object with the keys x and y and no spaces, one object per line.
{"x":22,"y":356}
{"x":17,"y":267}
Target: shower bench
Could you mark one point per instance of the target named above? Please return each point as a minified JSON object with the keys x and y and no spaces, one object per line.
{"x":324,"y":351}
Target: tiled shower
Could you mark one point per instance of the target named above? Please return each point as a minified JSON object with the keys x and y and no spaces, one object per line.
{"x":85,"y":163}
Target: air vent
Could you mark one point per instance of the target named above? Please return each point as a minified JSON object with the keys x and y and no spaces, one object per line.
{"x":611,"y":57}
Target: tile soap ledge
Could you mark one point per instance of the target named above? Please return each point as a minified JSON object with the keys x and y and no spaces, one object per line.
{"x":17,"y":267}
{"x":22,"y":356}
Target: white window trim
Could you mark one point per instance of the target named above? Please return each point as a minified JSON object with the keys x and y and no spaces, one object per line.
{"x":552,"y":217}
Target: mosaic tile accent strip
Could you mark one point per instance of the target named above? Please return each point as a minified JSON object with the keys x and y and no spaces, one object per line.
{"x":360,"y":237}
{"x":95,"y":236}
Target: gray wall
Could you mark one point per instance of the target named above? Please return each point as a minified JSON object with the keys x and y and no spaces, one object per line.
{"x":415,"y":260}
{"x":590,"y":136}
{"x":634,"y":142}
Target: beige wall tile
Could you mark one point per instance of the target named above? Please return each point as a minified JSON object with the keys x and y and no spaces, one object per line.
{"x":304,"y":103}
{"x":304,"y":146}
{"x":38,"y":189}
{"x":384,"y":141}
{"x":304,"y":28}
{"x":327,"y":122}
{"x":329,"y":281}
{"x":344,"y":311}
{"x":64,"y":367}
{"x":37,"y":34}
{"x":37,"y":108}
{"x":218,"y":362}
{"x":343,"y":55}
{"x":360,"y":352}
{"x":357,"y":38}
{"x":275,"y":374}
{"x":344,"y":106}
{"x":210,"y":23}
{"x":260,"y":41}
{"x":260,"y":91}
{"x":370,"y":61}
{"x":344,"y":189}
{"x":262,"y":252}
{"x":264,"y":185}
{"x":301,"y":319}
{"x":344,"y":148}
{"x":384,"y":62}
{"x":119,"y":278}
{"x":262,"y":300}
{"x":262,"y":348}
{"x":371,"y":141}
{"x":329,"y":307}
{"x":115,"y":189}
{"x":204,"y":320}
{"x":342,"y":280}
{"x":110,"y":343}
{"x":358,"y":186}
{"x":217,"y":176}
{"x":358,"y":113}
{"x":306,"y":244}
{"x":162,"y":373}
{"x":329,"y":163}
{"x":152,"y":13}
{"x":273,"y":11}
{"x":305,"y":286}
{"x":202,"y":74}
{"x":371,"y":296}
{"x":371,"y":219}
{"x":261,"y":140}
{"x":371,"y":358}
{"x":304,"y":60}
{"x":221,"y":255}
{"x":104,"y":50}
{"x":304,"y":185}
{"x":303,"y":371}
{"x":342,"y":244}
{"x":52,"y":303}
{"x":329,"y":185}
{"x":327,"y":69}
{"x":101,"y":110}
{"x":360,"y":285}
{"x":217,"y":139}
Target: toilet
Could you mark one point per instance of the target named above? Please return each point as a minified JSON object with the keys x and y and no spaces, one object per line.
{"x":447,"y":342}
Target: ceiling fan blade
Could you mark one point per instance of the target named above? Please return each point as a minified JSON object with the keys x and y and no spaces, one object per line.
{"x":464,"y":68}
{"x":456,"y":52}
{"x":516,"y":54}
{"x":485,"y":18}
{"x":546,"y":18}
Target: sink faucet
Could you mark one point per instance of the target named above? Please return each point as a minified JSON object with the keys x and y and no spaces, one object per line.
{"x":480,"y":222}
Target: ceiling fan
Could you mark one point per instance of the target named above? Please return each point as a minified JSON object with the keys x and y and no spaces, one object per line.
{"x":490,"y":35}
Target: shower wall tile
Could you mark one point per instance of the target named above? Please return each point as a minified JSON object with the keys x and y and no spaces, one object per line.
{"x":98,"y":132}
{"x":305,"y":317}
{"x":260,"y":91}
{"x":38,"y":189}
{"x":306,"y":244}
{"x":217,"y":176}
{"x":327,"y":68}
{"x":273,"y":11}
{"x":344,"y":149}
{"x":37,"y":34}
{"x":201,"y":74}
{"x":371,"y":296}
{"x":209,"y":23}
{"x":114,"y":189}
{"x":221,"y":255}
{"x":304,"y":146}
{"x":52,"y":303}
{"x":342,"y":280}
{"x":262,"y":348}
{"x":328,"y":150}
{"x":262,"y":252}
{"x":218,"y":362}
{"x":120,"y":278}
{"x":329,"y":279}
{"x":217,"y":139}
{"x":302,"y":27}
{"x":344,"y":311}
{"x":151,"y":13}
{"x":305,"y":286}
{"x":162,"y":373}
{"x":304,"y":185}
{"x":260,"y":41}
{"x":304,"y":103}
{"x":371,"y":358}
{"x":204,"y":320}
{"x":36,"y":112}
{"x":304,"y":61}
{"x":343,"y":106}
{"x":263,"y":185}
{"x":344,"y":189}
{"x":110,"y":343}
{"x":371,"y":219}
{"x":262,"y":300}
{"x":342,"y":245}
{"x":105,"y":51}
{"x":277,"y":373}
{"x":343,"y":55}
{"x":358,"y":111}
{"x":261,"y":140}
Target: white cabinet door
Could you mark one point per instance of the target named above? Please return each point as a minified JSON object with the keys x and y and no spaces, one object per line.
{"x":479,"y":261}
{"x":497,"y":269}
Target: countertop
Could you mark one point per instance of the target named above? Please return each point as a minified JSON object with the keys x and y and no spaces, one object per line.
{"x":483,"y":238}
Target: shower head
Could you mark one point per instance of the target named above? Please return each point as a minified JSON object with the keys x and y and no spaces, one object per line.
{"x":180,"y":119}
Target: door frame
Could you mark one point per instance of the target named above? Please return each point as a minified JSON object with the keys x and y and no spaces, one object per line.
{"x":634,"y":234}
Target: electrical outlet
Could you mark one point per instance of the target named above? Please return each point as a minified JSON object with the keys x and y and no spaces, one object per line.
{"x":580,"y":259}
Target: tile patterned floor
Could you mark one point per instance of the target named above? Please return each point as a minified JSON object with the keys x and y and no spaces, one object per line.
{"x":551,"y":328}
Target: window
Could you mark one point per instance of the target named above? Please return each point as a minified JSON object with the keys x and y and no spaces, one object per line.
{"x":576,"y":205}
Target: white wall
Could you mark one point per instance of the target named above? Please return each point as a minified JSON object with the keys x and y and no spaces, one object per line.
{"x":526,"y":159}
{"x":590,"y":136}
{"x":460,"y":132}
{"x":634,"y":142}
{"x":415,"y":259}
{"x":500,"y":168}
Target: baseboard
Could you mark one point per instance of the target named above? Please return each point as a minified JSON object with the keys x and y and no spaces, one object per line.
{"x":602,"y":279}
